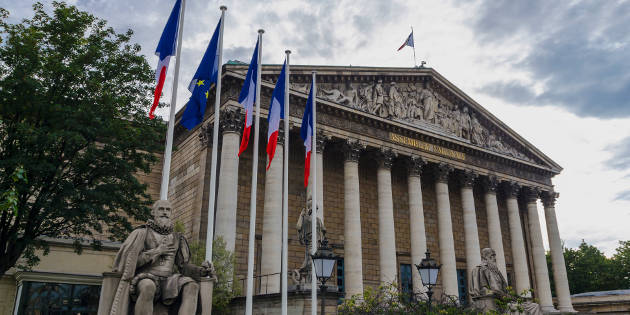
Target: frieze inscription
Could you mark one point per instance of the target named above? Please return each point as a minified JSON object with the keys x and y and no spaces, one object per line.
{"x":427,"y":146}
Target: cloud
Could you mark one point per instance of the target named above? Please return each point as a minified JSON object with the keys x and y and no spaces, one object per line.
{"x":621,"y":155}
{"x":624,"y":195}
{"x":576,"y":55}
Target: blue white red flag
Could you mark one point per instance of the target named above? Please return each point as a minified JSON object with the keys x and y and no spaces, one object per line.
{"x":306,"y":133}
{"x":164,"y":51}
{"x":408,"y":42}
{"x":276,"y":112}
{"x":247,"y":98}
{"x":201,"y":83}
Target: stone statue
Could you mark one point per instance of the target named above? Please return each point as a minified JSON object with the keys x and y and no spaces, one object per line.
{"x":464,"y":123}
{"x":365,"y":98}
{"x":378,"y":97}
{"x":154,"y":266}
{"x":304,"y":226}
{"x":476,"y":131}
{"x":488,"y":283}
{"x":396,"y":107}
{"x":430,"y":103}
{"x":414,"y":111}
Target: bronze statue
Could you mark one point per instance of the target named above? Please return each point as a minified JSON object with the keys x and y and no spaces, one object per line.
{"x":154,"y":266}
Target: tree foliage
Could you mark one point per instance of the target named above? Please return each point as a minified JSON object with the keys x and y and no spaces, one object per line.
{"x":73,"y":101}
{"x":588,"y":269}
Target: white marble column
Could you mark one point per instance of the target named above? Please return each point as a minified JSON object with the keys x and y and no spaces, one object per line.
{"x":517,"y":242}
{"x":272,"y":222}
{"x":494,"y":222}
{"x":353,"y":256}
{"x":322,"y":140}
{"x":557,"y":256}
{"x":225,"y":226}
{"x":541,"y":273}
{"x":416,"y":220}
{"x":448,"y":272}
{"x":471,"y":234}
{"x":386,"y":232}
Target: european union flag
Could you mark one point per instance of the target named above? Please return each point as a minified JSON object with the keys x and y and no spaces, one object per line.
{"x":202,"y":81}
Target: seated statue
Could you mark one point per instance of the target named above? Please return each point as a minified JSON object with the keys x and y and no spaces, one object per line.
{"x":154,"y":266}
{"x":488,"y":283}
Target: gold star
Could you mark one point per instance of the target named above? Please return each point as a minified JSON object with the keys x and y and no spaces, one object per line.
{"x":206,"y":94}
{"x":200,"y":82}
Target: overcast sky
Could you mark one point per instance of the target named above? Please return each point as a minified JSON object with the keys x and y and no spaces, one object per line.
{"x":557,"y":72}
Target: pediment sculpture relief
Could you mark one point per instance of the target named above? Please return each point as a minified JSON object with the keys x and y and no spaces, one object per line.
{"x":412,"y":103}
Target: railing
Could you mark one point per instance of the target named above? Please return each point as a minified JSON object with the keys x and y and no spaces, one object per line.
{"x":261,"y":284}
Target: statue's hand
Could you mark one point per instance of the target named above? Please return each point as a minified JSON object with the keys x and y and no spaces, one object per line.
{"x":165,"y":249}
{"x":207,"y":269}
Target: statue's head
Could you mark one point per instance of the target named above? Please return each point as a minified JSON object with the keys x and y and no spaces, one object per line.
{"x":488,"y":255}
{"x":309,"y":204}
{"x":162,"y":212}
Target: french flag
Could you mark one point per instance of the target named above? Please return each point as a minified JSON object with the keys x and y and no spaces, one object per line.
{"x":276,"y":112}
{"x":247,"y":98}
{"x":408,"y":42}
{"x":164,"y":50}
{"x":306,"y":132}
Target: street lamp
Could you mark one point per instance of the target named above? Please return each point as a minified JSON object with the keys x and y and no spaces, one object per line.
{"x":429,"y":269}
{"x":324,"y":261}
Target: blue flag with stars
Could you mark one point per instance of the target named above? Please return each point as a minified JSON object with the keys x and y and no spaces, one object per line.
{"x":202,"y":81}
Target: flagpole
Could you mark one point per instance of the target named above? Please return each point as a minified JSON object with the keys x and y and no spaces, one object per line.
{"x":414,"y":48}
{"x":285,"y":191}
{"x":254,"y":186}
{"x":215,"y":144}
{"x":166,"y":168}
{"x":314,"y":199}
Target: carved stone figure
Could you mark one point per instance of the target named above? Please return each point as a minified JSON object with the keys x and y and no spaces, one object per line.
{"x":430,"y":102}
{"x":414,"y":110}
{"x":335,"y":95}
{"x":464,"y":123}
{"x":488,"y":283}
{"x":365,"y":98}
{"x":396,"y":107}
{"x":378,"y":96}
{"x":304,"y":227}
{"x":477,"y":131}
{"x":147,"y":261}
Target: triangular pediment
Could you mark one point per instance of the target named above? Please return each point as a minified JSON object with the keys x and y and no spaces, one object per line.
{"x":421,"y":99}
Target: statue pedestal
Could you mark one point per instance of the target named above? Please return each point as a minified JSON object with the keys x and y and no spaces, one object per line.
{"x":206,"y":285}
{"x":485,"y":303}
{"x":299,"y":302}
{"x":108,"y":291}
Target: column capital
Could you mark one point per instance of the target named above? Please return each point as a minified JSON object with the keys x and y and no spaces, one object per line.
{"x":352,"y":150}
{"x":466,"y":178}
{"x":442,"y":171}
{"x":385,"y":157}
{"x":415,"y":164}
{"x":205,"y":134}
{"x":231,"y":120}
{"x":490,"y":184}
{"x":530,"y":194}
{"x":322,"y":140}
{"x":549,"y":198}
{"x":511,"y":189}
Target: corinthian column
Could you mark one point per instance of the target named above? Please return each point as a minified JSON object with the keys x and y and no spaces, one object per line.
{"x":231,"y":123}
{"x":353,"y":260}
{"x":557,"y":257}
{"x":471,"y":239}
{"x":490,"y":184}
{"x":538,"y":252}
{"x":272,"y":222}
{"x":445,"y":231}
{"x":386,"y":232}
{"x":416,"y":219}
{"x":519,"y":256}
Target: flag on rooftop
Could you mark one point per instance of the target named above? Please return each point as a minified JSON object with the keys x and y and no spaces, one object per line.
{"x":306,"y":132}
{"x":201,"y":83}
{"x":248,"y":97}
{"x":276,"y":112}
{"x":408,"y":42}
{"x":164,"y":50}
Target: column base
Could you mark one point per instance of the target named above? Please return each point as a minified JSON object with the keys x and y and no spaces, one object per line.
{"x":549,"y":310}
{"x":569,"y":310}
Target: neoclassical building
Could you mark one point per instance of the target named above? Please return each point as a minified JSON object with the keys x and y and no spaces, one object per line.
{"x":407,"y":163}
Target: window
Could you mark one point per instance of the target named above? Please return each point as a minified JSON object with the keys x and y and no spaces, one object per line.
{"x":59,"y":298}
{"x":462,"y":286}
{"x":406,"y":282}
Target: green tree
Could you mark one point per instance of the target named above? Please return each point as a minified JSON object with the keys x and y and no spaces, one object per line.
{"x":621,"y":263}
{"x":588,"y":269}
{"x":73,"y":100}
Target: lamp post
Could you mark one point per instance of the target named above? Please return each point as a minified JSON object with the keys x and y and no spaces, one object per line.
{"x":429,"y":269}
{"x":324,"y":262}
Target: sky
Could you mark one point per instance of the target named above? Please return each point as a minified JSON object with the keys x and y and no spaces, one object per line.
{"x":556,"y":72}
